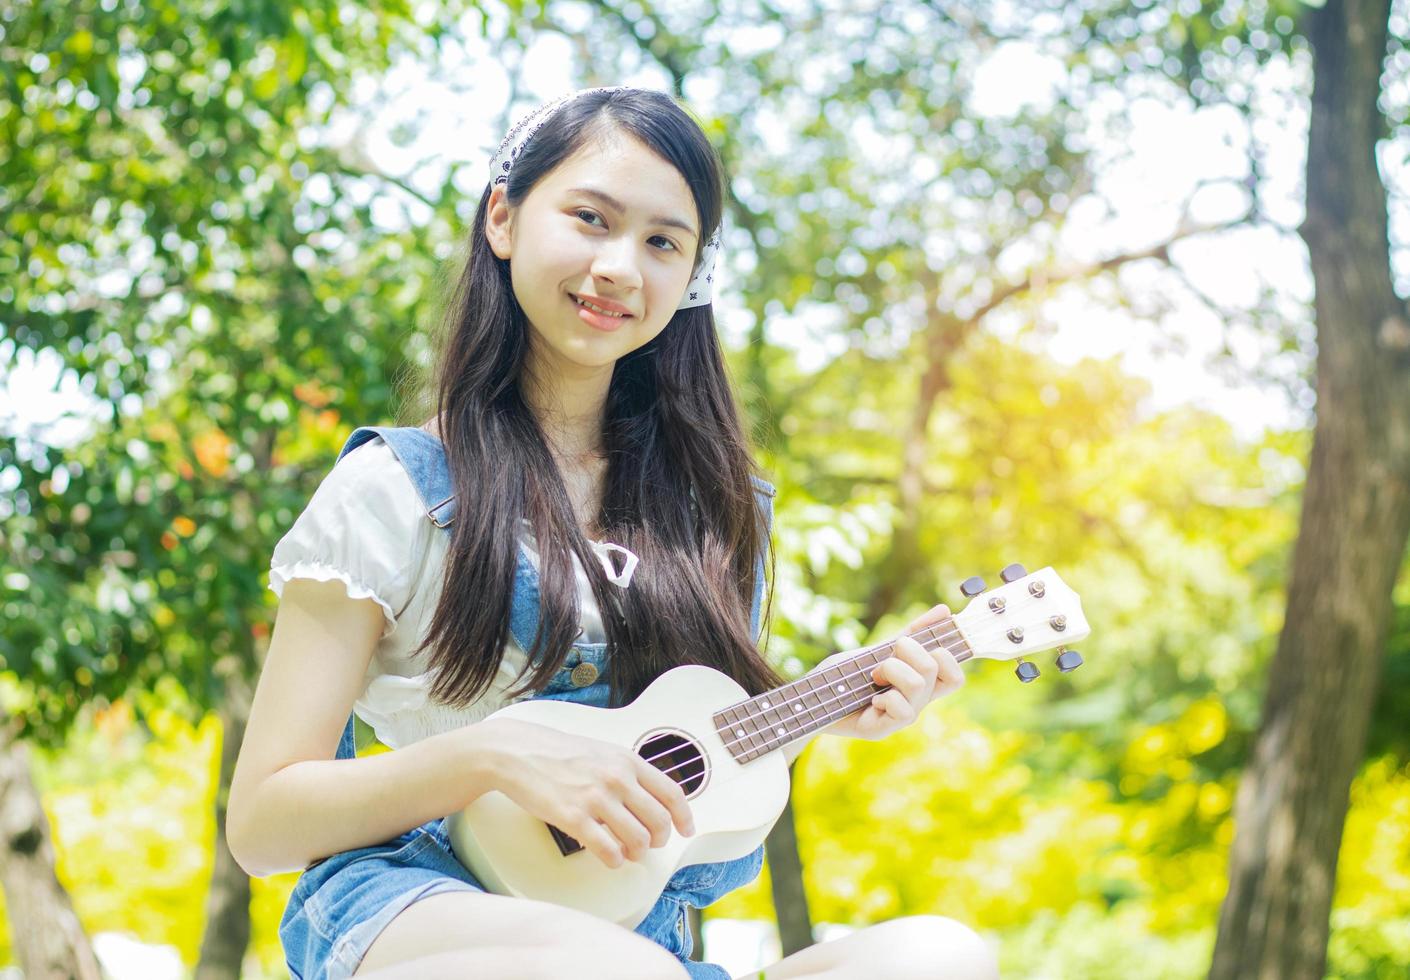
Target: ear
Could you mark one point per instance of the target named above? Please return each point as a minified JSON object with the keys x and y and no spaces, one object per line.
{"x":499,"y":222}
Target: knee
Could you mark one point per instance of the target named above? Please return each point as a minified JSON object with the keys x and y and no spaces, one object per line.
{"x":933,"y":947}
{"x":649,"y":962}
{"x":623,"y":956}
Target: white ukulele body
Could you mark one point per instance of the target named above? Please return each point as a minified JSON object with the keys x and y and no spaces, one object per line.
{"x":734,"y":806}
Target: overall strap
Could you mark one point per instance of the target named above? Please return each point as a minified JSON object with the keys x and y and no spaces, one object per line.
{"x":423,"y":457}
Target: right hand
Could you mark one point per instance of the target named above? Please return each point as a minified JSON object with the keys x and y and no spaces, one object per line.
{"x":605,"y":796}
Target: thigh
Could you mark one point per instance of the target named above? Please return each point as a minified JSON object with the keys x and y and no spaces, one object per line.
{"x":497,"y":925}
{"x":918,"y":947}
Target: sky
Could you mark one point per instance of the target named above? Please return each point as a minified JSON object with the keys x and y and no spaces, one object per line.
{"x":1166,"y":153}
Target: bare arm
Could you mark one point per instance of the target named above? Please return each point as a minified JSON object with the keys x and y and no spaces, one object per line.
{"x":291,"y":802}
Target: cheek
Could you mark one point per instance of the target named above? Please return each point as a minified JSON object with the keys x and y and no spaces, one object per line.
{"x":672,"y":285}
{"x":556,"y":246}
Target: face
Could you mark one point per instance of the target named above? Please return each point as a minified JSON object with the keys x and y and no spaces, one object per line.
{"x":564,"y":241}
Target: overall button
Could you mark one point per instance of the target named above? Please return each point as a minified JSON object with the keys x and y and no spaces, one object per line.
{"x":584,"y":674}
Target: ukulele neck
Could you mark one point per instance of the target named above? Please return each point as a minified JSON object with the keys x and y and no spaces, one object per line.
{"x":771,"y":720}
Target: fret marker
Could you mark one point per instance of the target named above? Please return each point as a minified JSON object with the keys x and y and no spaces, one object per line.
{"x":797,"y":706}
{"x":765,"y":704}
{"x":841,"y":687}
{"x":739,"y":732}
{"x":780,"y":730}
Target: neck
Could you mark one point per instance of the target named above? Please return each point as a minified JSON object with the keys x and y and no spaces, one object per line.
{"x":775,"y":718}
{"x":569,"y":408}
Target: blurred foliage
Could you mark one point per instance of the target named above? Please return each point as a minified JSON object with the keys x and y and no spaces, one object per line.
{"x":171,"y":227}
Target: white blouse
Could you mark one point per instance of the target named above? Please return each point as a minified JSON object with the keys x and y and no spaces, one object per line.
{"x":366,"y":527}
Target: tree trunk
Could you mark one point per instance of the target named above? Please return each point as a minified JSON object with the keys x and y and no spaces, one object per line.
{"x":49,"y":941}
{"x":1293,"y":798}
{"x":795,"y":926}
{"x":227,"y":932}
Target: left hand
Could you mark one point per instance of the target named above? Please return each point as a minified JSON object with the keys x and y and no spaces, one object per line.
{"x":914,"y":678}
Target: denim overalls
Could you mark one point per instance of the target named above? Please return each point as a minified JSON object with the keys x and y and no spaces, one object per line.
{"x":341,"y":903}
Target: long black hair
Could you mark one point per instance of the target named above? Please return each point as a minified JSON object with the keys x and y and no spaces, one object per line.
{"x":678,"y":490}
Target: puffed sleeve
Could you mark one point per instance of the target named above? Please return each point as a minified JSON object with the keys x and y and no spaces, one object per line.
{"x":362,"y":527}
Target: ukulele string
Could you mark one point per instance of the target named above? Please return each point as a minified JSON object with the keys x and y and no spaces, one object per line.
{"x":951,"y":629}
{"x":834,"y":714}
{"x":821,"y":704}
{"x":844,"y":709}
{"x":938,"y":633}
{"x":854,"y":703}
{"x":983,"y":635}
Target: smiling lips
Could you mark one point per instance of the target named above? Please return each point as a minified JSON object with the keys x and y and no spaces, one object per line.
{"x":596,"y":319}
{"x":602,"y":305}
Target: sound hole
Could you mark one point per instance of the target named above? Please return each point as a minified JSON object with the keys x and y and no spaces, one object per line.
{"x":678,"y":757}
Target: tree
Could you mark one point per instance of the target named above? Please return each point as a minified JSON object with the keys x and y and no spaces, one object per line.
{"x":215,"y":279}
{"x":51,"y":943}
{"x":1355,"y":521}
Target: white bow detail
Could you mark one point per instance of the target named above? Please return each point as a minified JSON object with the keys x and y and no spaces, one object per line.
{"x":604,"y":550}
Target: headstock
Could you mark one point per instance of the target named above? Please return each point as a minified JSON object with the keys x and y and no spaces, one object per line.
{"x":1027,"y":614}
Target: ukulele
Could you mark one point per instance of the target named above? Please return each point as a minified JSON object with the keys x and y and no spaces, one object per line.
{"x":722,"y":747}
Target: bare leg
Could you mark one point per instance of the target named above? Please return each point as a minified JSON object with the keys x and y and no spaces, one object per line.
{"x":460,"y":934}
{"x":919,"y":947}
{"x":488,"y":961}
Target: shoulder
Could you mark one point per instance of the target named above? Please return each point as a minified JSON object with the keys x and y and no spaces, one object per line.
{"x":372,"y":468}
{"x":366,"y":492}
{"x":364,"y":526}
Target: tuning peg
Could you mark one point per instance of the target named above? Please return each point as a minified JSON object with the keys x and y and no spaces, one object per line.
{"x":1013,"y":573}
{"x":1068,"y":661}
{"x":1026,"y":671}
{"x":972,"y":586}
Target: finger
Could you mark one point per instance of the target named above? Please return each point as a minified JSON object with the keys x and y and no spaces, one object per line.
{"x":627,"y":830}
{"x":594,"y":835}
{"x":919,"y":658}
{"x":651,"y":812}
{"x":671,"y":796}
{"x":950,"y":677}
{"x":895,"y":706}
{"x":902,"y":676}
{"x":931,"y":616}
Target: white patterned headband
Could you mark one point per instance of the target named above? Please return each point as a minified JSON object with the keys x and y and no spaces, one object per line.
{"x":699,"y":291}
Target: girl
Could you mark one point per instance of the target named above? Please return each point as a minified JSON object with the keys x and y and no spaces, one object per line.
{"x":579,"y":515}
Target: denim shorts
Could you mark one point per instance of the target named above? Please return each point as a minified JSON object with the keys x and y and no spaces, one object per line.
{"x":342,"y":903}
{"x":339,"y":906}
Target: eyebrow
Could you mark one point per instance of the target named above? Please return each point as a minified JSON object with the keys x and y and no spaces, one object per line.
{"x":619,"y":207}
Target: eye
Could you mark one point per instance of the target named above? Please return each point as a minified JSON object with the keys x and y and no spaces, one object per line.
{"x":670,"y":245}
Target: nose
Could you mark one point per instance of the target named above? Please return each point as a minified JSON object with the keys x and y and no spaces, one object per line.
{"x":616,"y":262}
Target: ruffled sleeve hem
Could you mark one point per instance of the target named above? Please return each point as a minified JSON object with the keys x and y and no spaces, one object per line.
{"x":400,"y":710}
{"x":281,"y":573}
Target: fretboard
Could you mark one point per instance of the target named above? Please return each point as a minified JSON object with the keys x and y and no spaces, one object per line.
{"x":773,"y":719}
